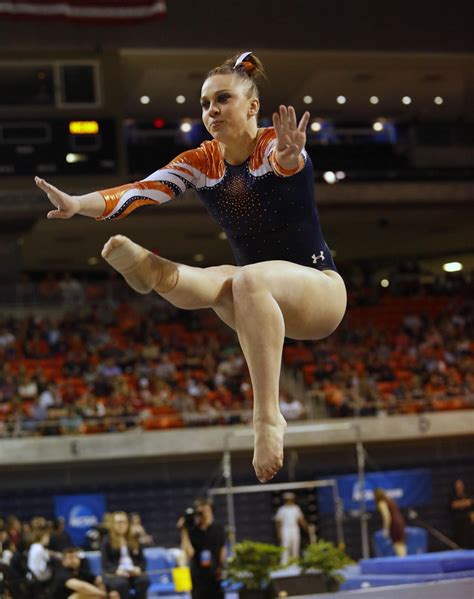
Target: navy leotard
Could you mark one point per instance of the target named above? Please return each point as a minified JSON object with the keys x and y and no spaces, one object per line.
{"x":267,"y":213}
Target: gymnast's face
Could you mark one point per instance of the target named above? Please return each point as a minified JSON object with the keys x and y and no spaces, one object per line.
{"x":227,"y":109}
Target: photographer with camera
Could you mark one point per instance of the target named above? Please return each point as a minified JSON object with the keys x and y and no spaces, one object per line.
{"x":203,"y":543}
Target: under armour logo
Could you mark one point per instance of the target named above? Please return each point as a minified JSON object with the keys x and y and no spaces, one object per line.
{"x":316,"y":258}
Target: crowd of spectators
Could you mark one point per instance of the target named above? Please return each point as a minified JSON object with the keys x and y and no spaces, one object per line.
{"x":38,"y":558}
{"x":96,"y":358}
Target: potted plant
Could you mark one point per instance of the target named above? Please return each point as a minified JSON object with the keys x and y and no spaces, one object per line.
{"x":319,"y":567}
{"x":326,"y":559}
{"x":251,"y":565}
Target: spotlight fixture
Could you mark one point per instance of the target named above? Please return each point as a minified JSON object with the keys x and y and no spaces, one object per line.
{"x":377,"y":126}
{"x":452,"y":266}
{"x":185,"y":127}
{"x":384,"y":283}
{"x":438,"y":100}
{"x":145,"y":99}
{"x":406,"y":100}
{"x":341,"y":99}
{"x":181,"y":99}
{"x":307,"y":99}
{"x":330,"y":177}
{"x":374,"y":99}
{"x":315,"y":126}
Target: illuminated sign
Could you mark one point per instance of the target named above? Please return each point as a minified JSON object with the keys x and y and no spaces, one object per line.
{"x":83,"y":127}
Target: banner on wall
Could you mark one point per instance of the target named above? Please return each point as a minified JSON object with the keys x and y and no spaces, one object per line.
{"x":407,"y":487}
{"x":105,"y":11}
{"x":80,"y":513}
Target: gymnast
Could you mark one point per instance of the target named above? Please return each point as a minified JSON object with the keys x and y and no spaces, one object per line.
{"x":258,"y":185}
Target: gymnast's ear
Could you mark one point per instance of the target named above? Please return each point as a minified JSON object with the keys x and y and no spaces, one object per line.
{"x":254,"y":107}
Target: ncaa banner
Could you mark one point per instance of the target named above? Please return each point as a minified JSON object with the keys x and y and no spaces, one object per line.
{"x":85,"y":10}
{"x":407,"y":487}
{"x":80,"y":513}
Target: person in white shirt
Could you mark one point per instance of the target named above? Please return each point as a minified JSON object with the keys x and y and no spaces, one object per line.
{"x":291,"y":408}
{"x":289,"y":518}
{"x":38,"y":556}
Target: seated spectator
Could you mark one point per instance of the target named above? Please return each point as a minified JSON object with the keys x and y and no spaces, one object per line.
{"x":138,"y":530}
{"x":290,"y":407}
{"x":123,"y":562}
{"x":50,"y":397}
{"x":72,"y":581}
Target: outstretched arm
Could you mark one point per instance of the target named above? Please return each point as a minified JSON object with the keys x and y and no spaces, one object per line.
{"x":66,"y":206}
{"x":117,"y":202}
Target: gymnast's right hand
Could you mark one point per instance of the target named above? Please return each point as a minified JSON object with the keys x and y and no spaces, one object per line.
{"x":66,"y":205}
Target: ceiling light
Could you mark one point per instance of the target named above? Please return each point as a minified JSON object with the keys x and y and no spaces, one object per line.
{"x":374,"y":99}
{"x":198,"y":257}
{"x":308,"y":99}
{"x":340,"y":175}
{"x":185,"y":127}
{"x":315,"y":126}
{"x":452,"y":266}
{"x":181,"y":99}
{"x":330,"y":177}
{"x":377,"y":126}
{"x":438,"y":100}
{"x":72,"y":158}
{"x":406,"y":100}
{"x":384,"y":283}
{"x":341,"y":99}
{"x":145,"y":99}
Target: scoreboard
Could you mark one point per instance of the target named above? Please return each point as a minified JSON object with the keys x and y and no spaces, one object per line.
{"x":57,"y":146}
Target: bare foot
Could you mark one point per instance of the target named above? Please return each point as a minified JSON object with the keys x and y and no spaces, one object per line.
{"x":134,"y":263}
{"x":268,"y":451}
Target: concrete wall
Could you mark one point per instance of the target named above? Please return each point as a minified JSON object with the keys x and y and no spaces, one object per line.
{"x":195,"y":442}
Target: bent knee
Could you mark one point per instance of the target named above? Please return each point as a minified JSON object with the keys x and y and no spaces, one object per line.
{"x":247,"y":280}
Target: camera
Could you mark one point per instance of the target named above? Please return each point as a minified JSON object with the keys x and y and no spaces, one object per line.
{"x":192,"y":517}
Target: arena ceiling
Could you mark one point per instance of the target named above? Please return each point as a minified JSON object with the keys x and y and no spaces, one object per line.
{"x":163,"y":74}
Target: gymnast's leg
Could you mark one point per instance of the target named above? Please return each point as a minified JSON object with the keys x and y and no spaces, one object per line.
{"x":262,"y":302}
{"x":271,"y":300}
{"x":185,"y":287}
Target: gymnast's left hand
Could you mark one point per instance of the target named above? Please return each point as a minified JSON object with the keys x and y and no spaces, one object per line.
{"x":291,"y":136}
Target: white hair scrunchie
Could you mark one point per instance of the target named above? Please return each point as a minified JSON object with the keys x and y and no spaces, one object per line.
{"x":241,"y":58}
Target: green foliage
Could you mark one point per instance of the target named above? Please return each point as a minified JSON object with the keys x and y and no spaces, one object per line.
{"x":252,"y":563}
{"x":327,"y":558}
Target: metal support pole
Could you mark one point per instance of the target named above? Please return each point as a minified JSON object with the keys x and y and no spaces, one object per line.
{"x":338,"y":514}
{"x":227,"y":472}
{"x":364,"y":532}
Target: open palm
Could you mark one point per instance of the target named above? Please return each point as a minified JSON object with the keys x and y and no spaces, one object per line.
{"x":66,"y":205}
{"x":291,"y":137}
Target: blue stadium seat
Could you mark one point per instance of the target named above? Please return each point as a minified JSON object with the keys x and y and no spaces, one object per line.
{"x":94,"y":561}
{"x":159,"y":563}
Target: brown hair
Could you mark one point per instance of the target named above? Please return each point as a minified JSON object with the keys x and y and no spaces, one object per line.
{"x":250,"y":71}
{"x":114,"y":540}
{"x":39,"y":533}
{"x":380,"y":495}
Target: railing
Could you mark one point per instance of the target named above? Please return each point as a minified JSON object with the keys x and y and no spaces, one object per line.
{"x":70,"y":425}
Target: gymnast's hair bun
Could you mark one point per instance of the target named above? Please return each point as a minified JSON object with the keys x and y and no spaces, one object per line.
{"x":246,"y":65}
